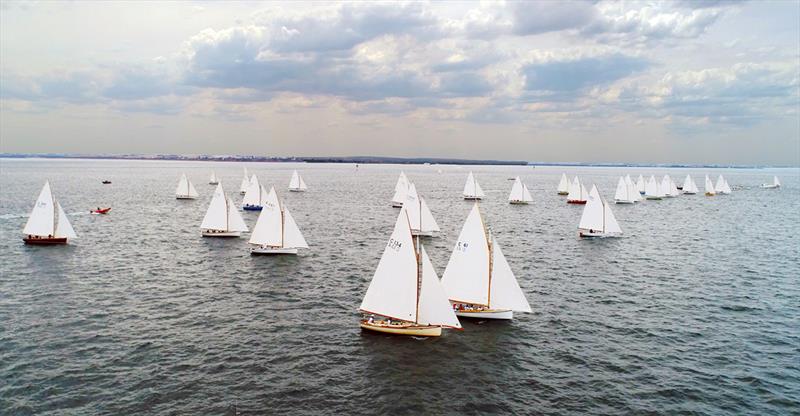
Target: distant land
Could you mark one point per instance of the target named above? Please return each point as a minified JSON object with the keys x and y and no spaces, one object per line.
{"x":358,"y":159}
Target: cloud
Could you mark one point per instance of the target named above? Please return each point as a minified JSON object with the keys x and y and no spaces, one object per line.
{"x":535,"y":17}
{"x":576,"y":74}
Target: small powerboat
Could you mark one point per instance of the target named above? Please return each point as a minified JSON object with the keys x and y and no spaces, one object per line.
{"x":100,"y":210}
{"x":106,"y":182}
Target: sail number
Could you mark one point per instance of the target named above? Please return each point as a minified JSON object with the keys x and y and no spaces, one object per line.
{"x":462,"y":246}
{"x":394,"y":244}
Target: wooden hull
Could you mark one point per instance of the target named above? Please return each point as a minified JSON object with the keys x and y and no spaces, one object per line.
{"x":397,"y":205}
{"x":710,"y":194}
{"x":653,"y":198}
{"x":589,"y":234}
{"x":214,"y":233}
{"x":252,"y":208}
{"x":486,"y":314}
{"x":213,"y":183}
{"x":296,"y":190}
{"x":272,"y":250}
{"x":518,"y":202}
{"x":185,"y":197}
{"x":100,"y":211}
{"x":242,"y":192}
{"x":422,"y":233}
{"x":402,"y":329}
{"x":563,"y":193}
{"x":576,"y":202}
{"x":472,"y":198}
{"x":45,"y":241}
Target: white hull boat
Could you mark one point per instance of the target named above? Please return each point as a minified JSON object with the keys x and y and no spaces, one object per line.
{"x":215,"y":233}
{"x":273,"y":250}
{"x":486,"y":314}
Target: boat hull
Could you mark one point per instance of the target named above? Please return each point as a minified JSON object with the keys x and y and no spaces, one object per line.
{"x":100,"y":211}
{"x":518,"y":202}
{"x":563,"y":193}
{"x":576,"y":202}
{"x":242,"y":192}
{"x":617,"y":201}
{"x":486,"y":314}
{"x":590,"y":234}
{"x":472,"y":198}
{"x":397,"y":205}
{"x":689,"y":193}
{"x":402,"y":329}
{"x":654,"y":198}
{"x":710,"y":194}
{"x":422,"y":233}
{"x":185,"y":197}
{"x":770,"y":186}
{"x":252,"y":208}
{"x":266,"y":251}
{"x":213,"y":183}
{"x":213,"y":233}
{"x":45,"y":241}
{"x":296,"y":190}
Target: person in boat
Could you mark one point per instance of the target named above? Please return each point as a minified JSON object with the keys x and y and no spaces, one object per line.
{"x":371,"y":319}
{"x":388,"y":321}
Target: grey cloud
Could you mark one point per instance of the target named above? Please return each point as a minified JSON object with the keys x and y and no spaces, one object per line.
{"x":578,"y":74}
{"x":534,"y":17}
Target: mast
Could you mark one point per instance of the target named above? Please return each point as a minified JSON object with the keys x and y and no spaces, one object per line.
{"x":491,"y":265}
{"x":604,"y":215}
{"x":418,"y":253}
{"x":283,"y":222}
{"x":227,"y":214}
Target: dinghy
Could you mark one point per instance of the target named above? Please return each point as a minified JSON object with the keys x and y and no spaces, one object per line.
{"x":472,"y":190}
{"x":689,"y":187}
{"x":100,"y":211}
{"x":563,"y":185}
{"x":577,"y":192}
{"x":625,"y":194}
{"x":478,"y":280}
{"x":106,"y":182}
{"x":710,"y":187}
{"x":722,"y":186}
{"x":640,"y":185}
{"x":652,"y":190}
{"x":297,"y":184}
{"x":254,"y":197}
{"x":213,"y":180}
{"x":222,"y":218}
{"x":245,"y":183}
{"x":405,"y":292}
{"x":47,"y":224}
{"x":276,"y":232}
{"x":597,"y":219}
{"x":519,"y":193}
{"x":668,"y":187}
{"x":185,"y":189}
{"x":420,"y":218}
{"x":775,"y":184}
{"x":400,"y":191}
{"x":634,"y":192}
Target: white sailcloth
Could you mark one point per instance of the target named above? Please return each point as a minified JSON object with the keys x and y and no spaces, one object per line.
{"x":632,"y":190}
{"x":666,"y":186}
{"x":393,"y":289}
{"x":292,"y":237}
{"x":254,"y":194}
{"x":41,"y":222}
{"x":652,"y":188}
{"x":640,"y":185}
{"x":245,"y":182}
{"x":577,"y":192}
{"x":709,"y":187}
{"x":519,"y":192}
{"x":624,"y":192}
{"x":216,"y":217}
{"x":775,"y":181}
{"x":689,"y":187}
{"x":434,"y":309}
{"x":725,"y":189}
{"x":563,"y":184}
{"x":185,"y":188}
{"x":64,"y":228}
{"x":471,"y":188}
{"x":720,"y":186}
{"x":505,"y":290}
{"x":466,"y":277}
{"x":420,"y":217}
{"x":428,"y":222}
{"x":213,"y":179}
{"x":269,"y":227}
{"x":597,"y":215}
{"x":400,"y":190}
{"x":297,"y":183}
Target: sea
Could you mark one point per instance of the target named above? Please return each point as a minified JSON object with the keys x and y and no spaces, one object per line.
{"x":695,"y":310}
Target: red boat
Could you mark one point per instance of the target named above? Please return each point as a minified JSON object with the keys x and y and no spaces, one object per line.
{"x":44,"y":241}
{"x":100,"y":210}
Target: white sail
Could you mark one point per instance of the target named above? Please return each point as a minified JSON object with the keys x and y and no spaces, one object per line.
{"x":185,"y":188}
{"x":213,"y":179}
{"x":254,"y":194}
{"x":775,"y":181}
{"x":726,"y":189}
{"x":292,"y":237}
{"x":709,"y":187}
{"x":632,"y":190}
{"x":689,"y":187}
{"x":516,"y":190}
{"x":294,"y":183}
{"x":393,"y":289}
{"x":623,"y":191}
{"x":303,"y":186}
{"x":271,"y":198}
{"x":428,"y":222}
{"x":216,"y":217}
{"x":235,"y":221}
{"x":64,"y":228}
{"x":666,"y":186}
{"x":413,"y":208}
{"x":466,"y":277}
{"x":245,"y":182}
{"x":400,"y":190}
{"x":526,"y":195}
{"x":652,"y":188}
{"x":563,"y":184}
{"x":610,"y":224}
{"x":434,"y":308}
{"x":505,"y":290}
{"x":192,"y":192}
{"x":471,"y":188}
{"x":41,"y":222}
{"x":577,"y":192}
{"x":640,"y":184}
{"x":592,"y":217}
{"x":720,"y":184}
{"x":269,"y":227}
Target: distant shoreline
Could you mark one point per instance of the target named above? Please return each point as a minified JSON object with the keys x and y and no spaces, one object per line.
{"x":368,"y":160}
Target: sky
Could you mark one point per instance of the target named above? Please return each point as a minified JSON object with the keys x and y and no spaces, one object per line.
{"x":710,"y":81}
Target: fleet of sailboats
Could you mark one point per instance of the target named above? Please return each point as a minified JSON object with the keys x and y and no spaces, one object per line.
{"x":472,"y":190}
{"x":400,"y":191}
{"x":222,"y":219}
{"x":775,"y":184}
{"x":519,"y":193}
{"x":276,"y":232}
{"x":296,"y":184}
{"x":597,"y":219}
{"x":563,"y":185}
{"x":577,"y":192}
{"x":47,"y":224}
{"x":185,"y":189}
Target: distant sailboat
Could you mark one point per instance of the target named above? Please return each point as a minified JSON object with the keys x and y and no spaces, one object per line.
{"x":709,"y":187}
{"x":640,"y":185}
{"x":245,"y":183}
{"x":668,"y":187}
{"x":689,"y":187}
{"x":775,"y":184}
{"x":652,"y":190}
{"x":296,"y":184}
{"x":478,"y":280}
{"x":633,"y":191}
{"x":400,"y":191}
{"x":185,"y":189}
{"x":625,"y":193}
{"x":420,"y":218}
{"x":222,"y":218}
{"x":47,"y":224}
{"x":563,"y":185}
{"x":577,"y":192}
{"x":276,"y":232}
{"x":255,"y":196}
{"x":405,"y":291}
{"x":213,"y":180}
{"x":519,"y":193}
{"x":472,"y":190}
{"x":597,"y":219}
{"x":722,"y":186}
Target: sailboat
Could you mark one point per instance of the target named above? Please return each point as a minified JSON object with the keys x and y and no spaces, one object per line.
{"x":185,"y":189}
{"x":689,"y":187}
{"x":519,"y":193}
{"x":254,"y":197}
{"x":640,"y":185}
{"x":222,"y":218}
{"x":245,"y":183}
{"x":722,"y":186}
{"x":668,"y":187}
{"x":775,"y":184}
{"x":597,"y":219}
{"x":296,"y":184}
{"x":405,"y":291}
{"x":47,"y":224}
{"x":710,"y":187}
{"x":420,"y":218}
{"x":625,"y":193}
{"x":577,"y":192}
{"x":400,"y":191}
{"x":472,"y":191}
{"x":652,"y":190}
{"x":478,"y":280}
{"x":563,"y":185}
{"x":275,"y":231}
{"x":213,"y":180}
{"x":633,"y":191}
